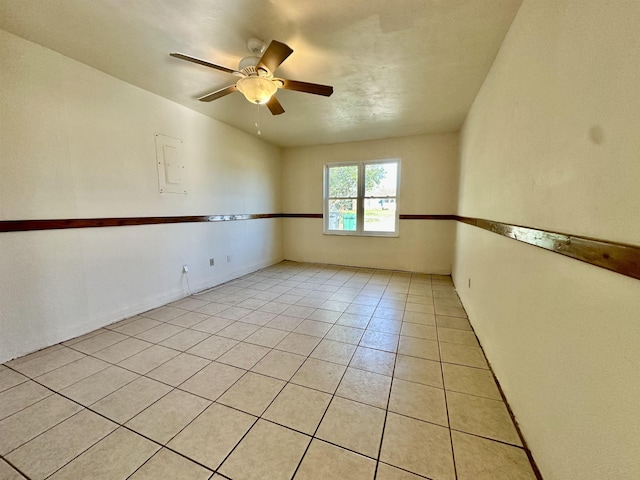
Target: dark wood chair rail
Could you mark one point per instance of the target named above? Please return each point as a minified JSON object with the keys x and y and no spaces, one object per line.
{"x":617,"y":257}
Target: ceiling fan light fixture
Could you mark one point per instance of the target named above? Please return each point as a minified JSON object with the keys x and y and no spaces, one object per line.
{"x":256,"y":89}
{"x":257,"y":83}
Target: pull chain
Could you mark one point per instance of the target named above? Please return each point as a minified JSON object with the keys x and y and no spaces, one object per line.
{"x":257,"y":124}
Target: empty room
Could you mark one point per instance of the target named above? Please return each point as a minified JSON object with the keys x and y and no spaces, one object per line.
{"x":365,"y":240}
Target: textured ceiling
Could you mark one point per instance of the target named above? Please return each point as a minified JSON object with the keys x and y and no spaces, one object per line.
{"x":398,"y":68}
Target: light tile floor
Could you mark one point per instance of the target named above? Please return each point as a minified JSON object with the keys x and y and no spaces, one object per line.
{"x":299,"y":371}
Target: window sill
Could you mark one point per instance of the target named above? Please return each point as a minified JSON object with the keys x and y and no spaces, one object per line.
{"x":364,"y":234}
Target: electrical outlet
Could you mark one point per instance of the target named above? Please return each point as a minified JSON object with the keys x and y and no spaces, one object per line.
{"x":185,"y":269}
{"x":211,"y":262}
{"x":228,"y":258}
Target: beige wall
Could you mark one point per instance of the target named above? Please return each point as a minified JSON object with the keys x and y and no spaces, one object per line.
{"x":429,"y":173}
{"x":76,"y":143}
{"x":552,"y":142}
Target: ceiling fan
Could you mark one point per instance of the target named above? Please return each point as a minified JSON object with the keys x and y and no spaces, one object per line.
{"x":257,"y":82}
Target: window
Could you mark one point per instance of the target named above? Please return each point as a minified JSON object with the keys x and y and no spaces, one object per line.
{"x":361,"y":198}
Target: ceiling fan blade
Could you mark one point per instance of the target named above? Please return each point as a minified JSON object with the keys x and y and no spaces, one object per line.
{"x":274,"y":106}
{"x":316,"y":89}
{"x":275,"y":54}
{"x":188,"y":58}
{"x":218,"y":93}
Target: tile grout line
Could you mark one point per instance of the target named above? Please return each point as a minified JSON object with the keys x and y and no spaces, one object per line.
{"x":199,"y":356}
{"x":260,"y":417}
{"x":123,"y":425}
{"x":119,"y":425}
{"x":62,"y":421}
{"x":83,"y":451}
{"x":386,"y":411}
{"x":446,"y":403}
{"x":532,"y":463}
{"x":14,"y":467}
{"x":47,"y":429}
{"x":284,"y":278}
{"x":524,"y":446}
{"x":145,"y":462}
{"x":333,"y":395}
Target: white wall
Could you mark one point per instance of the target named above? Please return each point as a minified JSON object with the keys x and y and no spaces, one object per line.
{"x":76,"y":143}
{"x":552,"y":142}
{"x":428,"y":185}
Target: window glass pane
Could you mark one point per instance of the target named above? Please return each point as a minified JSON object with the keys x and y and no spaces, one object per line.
{"x":381,"y":179}
{"x":380,"y":215}
{"x":342,"y":214}
{"x":343,"y":181}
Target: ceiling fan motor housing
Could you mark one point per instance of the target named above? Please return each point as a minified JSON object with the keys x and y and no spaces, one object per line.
{"x":248,"y":66}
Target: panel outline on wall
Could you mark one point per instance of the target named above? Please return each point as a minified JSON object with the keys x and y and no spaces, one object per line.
{"x":171,"y":164}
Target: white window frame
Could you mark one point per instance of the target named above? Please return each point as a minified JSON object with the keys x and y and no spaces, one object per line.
{"x":360,"y":199}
